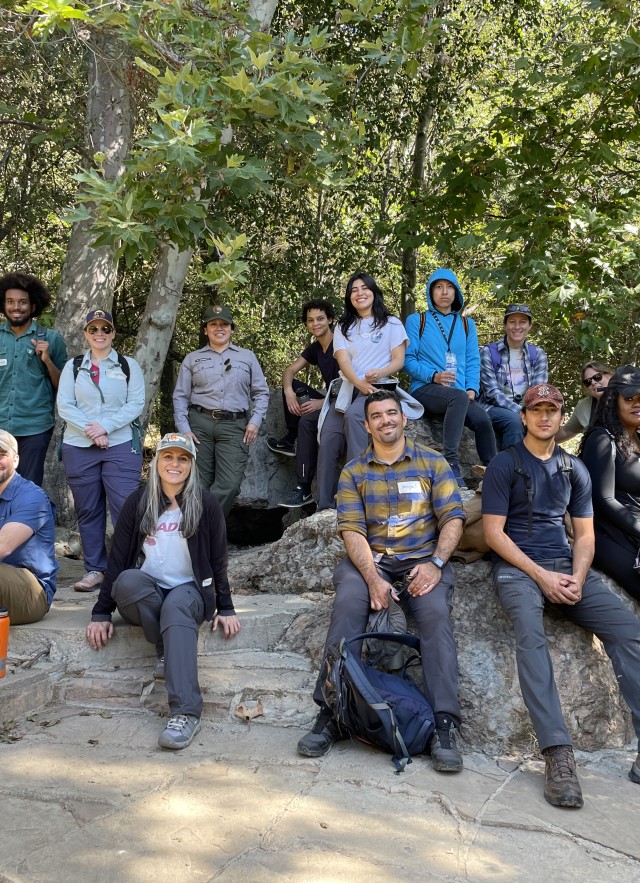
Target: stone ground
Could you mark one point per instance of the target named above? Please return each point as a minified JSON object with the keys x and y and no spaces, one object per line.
{"x":88,"y":795}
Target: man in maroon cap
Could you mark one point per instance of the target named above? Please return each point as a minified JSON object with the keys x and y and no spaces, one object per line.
{"x":526,"y":493}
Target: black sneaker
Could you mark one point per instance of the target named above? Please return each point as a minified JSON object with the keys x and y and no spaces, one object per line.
{"x":298,"y":498}
{"x":322,"y":737}
{"x":158,"y":669}
{"x":561,"y":785}
{"x":281,"y":446}
{"x":445,"y":755}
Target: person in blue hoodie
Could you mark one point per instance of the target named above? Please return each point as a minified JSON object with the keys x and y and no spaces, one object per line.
{"x":443,"y":362}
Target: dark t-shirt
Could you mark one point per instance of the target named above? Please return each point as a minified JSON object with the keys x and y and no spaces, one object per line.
{"x":325,"y":361}
{"x":554,"y":493}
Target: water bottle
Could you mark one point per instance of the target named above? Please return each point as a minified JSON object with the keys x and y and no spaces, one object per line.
{"x":4,"y":640}
{"x":451,"y":364}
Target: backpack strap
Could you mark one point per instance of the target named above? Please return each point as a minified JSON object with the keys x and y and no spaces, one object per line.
{"x":533,"y":354}
{"x":495,"y":356}
{"x":518,"y":470}
{"x":566,"y":468}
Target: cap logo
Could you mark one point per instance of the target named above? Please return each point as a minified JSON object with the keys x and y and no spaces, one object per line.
{"x":217,"y":309}
{"x":99,"y":314}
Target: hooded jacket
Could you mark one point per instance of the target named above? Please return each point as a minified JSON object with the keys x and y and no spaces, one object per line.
{"x":426,"y":355}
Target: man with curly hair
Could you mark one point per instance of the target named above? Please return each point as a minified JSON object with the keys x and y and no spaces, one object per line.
{"x":31,"y":359}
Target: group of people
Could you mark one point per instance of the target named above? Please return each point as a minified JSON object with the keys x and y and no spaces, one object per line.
{"x":400,"y":513}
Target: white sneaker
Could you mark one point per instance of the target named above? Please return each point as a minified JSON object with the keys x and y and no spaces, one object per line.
{"x":89,"y":582}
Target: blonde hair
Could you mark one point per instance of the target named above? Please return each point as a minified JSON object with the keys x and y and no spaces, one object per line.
{"x":153,"y":501}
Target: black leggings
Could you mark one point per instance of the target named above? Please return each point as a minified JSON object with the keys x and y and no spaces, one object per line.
{"x":616,"y":559}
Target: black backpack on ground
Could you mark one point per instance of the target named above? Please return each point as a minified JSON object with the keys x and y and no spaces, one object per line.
{"x":381,"y":709}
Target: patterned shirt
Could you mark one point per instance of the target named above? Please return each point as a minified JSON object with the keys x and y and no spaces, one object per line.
{"x":400,"y":507}
{"x":496,"y":389}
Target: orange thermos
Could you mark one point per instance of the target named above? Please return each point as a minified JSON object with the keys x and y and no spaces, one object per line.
{"x":4,"y":640}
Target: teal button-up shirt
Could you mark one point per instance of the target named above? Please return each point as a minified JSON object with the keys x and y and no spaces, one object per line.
{"x":26,"y":394}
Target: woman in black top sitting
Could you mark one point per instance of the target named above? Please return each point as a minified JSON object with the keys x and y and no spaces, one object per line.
{"x":611,"y":452}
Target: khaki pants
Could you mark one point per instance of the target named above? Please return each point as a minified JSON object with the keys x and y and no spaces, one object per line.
{"x":22,"y":595}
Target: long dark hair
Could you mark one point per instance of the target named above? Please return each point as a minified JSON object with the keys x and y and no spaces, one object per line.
{"x":379,"y":311}
{"x":607,"y":417}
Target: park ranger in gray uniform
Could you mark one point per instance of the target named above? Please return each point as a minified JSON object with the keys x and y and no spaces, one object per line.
{"x":220,"y":400}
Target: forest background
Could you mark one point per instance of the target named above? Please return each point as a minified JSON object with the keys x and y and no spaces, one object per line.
{"x":156,"y":157}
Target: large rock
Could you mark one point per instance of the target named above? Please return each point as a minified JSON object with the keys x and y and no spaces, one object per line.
{"x":495,"y":718}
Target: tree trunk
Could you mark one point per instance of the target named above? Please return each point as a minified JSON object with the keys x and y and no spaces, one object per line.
{"x":89,"y":274}
{"x":410,"y":254}
{"x":158,"y":322}
{"x":159,"y":319}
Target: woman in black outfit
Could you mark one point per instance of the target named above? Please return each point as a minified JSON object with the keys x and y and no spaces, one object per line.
{"x":611,"y":453}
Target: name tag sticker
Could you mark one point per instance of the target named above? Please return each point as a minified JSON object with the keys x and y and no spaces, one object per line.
{"x":116,"y":372}
{"x":409,"y":487}
{"x":3,"y":363}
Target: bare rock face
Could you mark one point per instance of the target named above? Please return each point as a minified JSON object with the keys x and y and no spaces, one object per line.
{"x":495,"y":718}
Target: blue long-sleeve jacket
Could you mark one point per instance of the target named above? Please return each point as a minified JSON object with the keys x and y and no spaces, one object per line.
{"x":426,"y":355}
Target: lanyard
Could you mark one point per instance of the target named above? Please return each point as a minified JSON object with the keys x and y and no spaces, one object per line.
{"x":446,"y":339}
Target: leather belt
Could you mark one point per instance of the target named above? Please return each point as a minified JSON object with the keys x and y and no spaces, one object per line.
{"x":218,"y":414}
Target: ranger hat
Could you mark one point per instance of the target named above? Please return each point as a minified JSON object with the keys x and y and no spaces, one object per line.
{"x":543,"y":392}
{"x":177,"y":440}
{"x":99,"y":316}
{"x":626,"y":381}
{"x":217,"y":312}
{"x":8,"y":442}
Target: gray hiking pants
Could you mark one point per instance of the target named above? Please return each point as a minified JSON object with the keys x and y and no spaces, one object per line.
{"x":599,"y":611}
{"x":170,"y":619}
{"x":351,"y":609}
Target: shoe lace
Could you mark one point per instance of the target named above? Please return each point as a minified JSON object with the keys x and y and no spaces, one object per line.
{"x":92,"y":574}
{"x":178,"y":722}
{"x":564,"y":765}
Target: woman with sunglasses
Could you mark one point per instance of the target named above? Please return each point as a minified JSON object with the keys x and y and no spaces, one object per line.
{"x":508,"y":367}
{"x":100,"y":398}
{"x":595,"y":377}
{"x":220,"y":400}
{"x":611,"y":453}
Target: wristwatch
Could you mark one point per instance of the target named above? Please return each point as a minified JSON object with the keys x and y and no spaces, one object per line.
{"x":437,"y":562}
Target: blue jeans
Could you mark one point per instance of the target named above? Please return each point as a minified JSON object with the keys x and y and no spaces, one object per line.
{"x":507,"y":425}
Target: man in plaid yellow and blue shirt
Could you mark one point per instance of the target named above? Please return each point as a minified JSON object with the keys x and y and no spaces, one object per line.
{"x":400,"y":517}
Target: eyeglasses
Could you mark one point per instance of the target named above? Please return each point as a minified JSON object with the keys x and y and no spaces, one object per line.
{"x":227,"y":364}
{"x":518,"y":308}
{"x":587,"y":381}
{"x":105,"y":329}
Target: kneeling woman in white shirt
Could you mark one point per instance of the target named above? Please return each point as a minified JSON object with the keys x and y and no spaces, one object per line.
{"x":167,"y":573}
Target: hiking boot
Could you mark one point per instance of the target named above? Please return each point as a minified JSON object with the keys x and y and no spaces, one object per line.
{"x":445,"y":755}
{"x":281,"y":446}
{"x":457,"y":474}
{"x":561,"y":785}
{"x":158,"y":669}
{"x":634,"y":772}
{"x":90,"y":582}
{"x":322,"y":737}
{"x":298,"y":498}
{"x":180,"y":731}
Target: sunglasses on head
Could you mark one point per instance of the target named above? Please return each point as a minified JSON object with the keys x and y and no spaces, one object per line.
{"x":94,"y":329}
{"x":518,"y":308}
{"x":587,"y":381}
